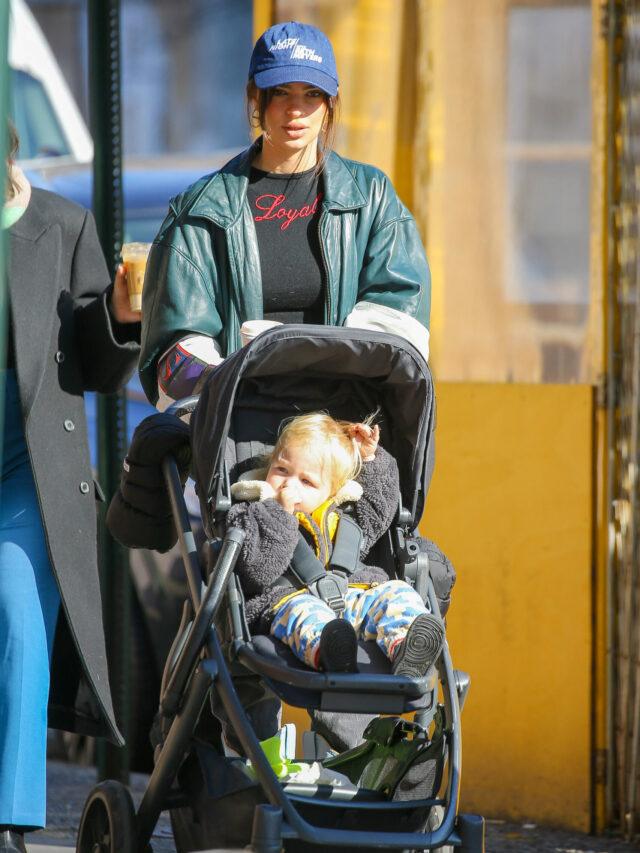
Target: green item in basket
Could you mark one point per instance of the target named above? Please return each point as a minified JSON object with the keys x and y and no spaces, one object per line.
{"x":391,"y":747}
{"x":280,"y":752}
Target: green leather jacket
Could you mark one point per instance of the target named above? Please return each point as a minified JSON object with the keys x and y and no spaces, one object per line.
{"x":203,"y":274}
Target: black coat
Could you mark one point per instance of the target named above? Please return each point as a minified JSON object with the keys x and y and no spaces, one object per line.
{"x":65,"y":343}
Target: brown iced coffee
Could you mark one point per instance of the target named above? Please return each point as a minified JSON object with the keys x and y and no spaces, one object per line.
{"x":134,"y":257}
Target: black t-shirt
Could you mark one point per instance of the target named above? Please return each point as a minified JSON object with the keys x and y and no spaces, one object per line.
{"x":286,"y":212}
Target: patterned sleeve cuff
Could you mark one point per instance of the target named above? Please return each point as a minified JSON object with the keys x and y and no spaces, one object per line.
{"x":182,"y":367}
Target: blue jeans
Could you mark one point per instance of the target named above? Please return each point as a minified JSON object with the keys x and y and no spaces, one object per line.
{"x":382,"y":613}
{"x":29,"y":605}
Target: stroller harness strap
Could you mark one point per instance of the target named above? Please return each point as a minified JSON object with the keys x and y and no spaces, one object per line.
{"x":305,"y":567}
{"x":307,"y":572}
{"x":345,"y":556}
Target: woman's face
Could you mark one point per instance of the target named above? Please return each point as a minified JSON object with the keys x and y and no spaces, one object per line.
{"x":294,"y":117}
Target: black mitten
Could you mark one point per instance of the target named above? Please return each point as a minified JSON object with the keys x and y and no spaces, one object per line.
{"x":139,"y":515}
{"x":158,"y":435}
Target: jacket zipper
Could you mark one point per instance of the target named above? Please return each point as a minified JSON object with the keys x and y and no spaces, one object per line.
{"x":233,"y":332}
{"x":326,"y":534}
{"x":323,"y":556}
{"x":329,"y":315}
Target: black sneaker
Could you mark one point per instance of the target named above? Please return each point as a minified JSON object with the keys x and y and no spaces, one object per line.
{"x":338,"y":647}
{"x":420,"y":648}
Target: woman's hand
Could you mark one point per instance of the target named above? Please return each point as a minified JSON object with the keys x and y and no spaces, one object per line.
{"x":119,"y":304}
{"x":367,"y":438}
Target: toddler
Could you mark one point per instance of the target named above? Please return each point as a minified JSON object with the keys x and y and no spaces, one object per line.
{"x":317,"y":465}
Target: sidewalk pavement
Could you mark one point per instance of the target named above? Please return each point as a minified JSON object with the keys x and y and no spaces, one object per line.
{"x":68,"y":787}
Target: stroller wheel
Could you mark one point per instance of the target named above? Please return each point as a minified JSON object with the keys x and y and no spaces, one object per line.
{"x":108,"y":823}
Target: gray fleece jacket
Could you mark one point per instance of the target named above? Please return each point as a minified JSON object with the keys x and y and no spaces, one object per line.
{"x":271,"y":534}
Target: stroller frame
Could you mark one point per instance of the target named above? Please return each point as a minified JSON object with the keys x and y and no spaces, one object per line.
{"x":198,"y":666}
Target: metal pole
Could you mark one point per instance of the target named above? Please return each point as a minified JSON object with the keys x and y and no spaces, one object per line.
{"x":104,"y":89}
{"x":612,"y":32}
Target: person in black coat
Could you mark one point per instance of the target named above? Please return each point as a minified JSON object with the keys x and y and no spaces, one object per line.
{"x":70,"y":331}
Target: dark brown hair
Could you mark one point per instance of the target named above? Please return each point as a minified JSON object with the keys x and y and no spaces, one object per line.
{"x":259,"y":99}
{"x":12,"y":149}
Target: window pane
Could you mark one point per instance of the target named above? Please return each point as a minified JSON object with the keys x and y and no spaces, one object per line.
{"x":548,"y":129}
{"x":549,"y":58}
{"x":549,"y":220}
{"x":38,"y":128}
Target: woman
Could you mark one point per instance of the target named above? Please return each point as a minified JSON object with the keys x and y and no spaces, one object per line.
{"x":69,"y":332}
{"x":288,"y":231}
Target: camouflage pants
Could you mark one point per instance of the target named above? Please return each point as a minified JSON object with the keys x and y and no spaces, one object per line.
{"x":382,"y":612}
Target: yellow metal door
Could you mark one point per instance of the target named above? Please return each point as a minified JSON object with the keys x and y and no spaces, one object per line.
{"x":511,"y":503}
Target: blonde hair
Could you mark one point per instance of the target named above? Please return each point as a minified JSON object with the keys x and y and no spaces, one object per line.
{"x":259,"y":99}
{"x":328,"y":438}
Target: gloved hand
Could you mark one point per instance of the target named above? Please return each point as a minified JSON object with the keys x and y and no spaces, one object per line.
{"x":139,"y":515}
{"x":158,"y":435}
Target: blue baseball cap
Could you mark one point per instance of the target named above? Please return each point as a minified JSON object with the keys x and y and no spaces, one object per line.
{"x":294,"y":53}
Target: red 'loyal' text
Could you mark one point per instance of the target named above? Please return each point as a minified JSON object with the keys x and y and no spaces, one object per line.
{"x":273,"y":207}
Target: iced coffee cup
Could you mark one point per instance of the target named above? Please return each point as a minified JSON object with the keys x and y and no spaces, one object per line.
{"x":134,"y":257}
{"x":250,"y":329}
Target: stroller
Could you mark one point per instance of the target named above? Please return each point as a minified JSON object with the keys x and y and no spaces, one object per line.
{"x":402,"y":778}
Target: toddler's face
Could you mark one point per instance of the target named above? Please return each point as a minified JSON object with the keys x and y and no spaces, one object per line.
{"x":297,"y":478}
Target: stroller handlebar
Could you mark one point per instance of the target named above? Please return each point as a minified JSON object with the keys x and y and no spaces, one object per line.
{"x":182,"y":407}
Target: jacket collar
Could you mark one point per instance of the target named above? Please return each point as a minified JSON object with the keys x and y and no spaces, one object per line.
{"x":32,"y":224}
{"x":222,"y":197}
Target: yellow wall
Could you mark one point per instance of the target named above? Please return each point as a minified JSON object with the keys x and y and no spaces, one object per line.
{"x":511,"y":504}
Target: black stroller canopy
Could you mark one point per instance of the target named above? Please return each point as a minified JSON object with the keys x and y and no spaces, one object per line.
{"x":292,"y":370}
